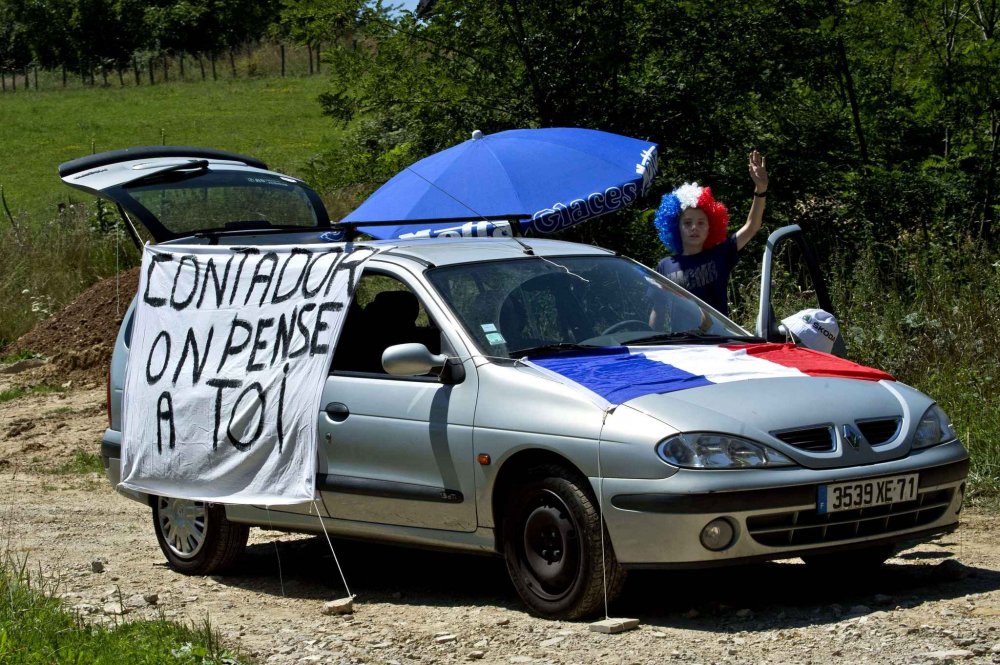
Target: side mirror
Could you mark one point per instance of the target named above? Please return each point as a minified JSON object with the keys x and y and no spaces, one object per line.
{"x":412,"y":359}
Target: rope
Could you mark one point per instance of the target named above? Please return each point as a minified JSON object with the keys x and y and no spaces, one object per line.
{"x":277,"y":553}
{"x":328,"y":542}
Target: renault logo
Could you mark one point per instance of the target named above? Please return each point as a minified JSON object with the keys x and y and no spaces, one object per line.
{"x":852,"y":436}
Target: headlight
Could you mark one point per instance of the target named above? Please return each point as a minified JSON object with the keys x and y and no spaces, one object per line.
{"x":934,"y":428}
{"x":708,"y":450}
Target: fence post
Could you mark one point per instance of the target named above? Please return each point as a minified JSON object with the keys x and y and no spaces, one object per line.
{"x":282,"y":60}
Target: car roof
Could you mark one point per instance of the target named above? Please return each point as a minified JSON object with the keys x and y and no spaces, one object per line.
{"x":453,"y":251}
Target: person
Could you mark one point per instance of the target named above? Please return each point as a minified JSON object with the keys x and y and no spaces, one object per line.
{"x":692,"y":225}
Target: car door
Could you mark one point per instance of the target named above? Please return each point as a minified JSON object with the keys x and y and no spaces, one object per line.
{"x":396,"y":450}
{"x":790,"y":281}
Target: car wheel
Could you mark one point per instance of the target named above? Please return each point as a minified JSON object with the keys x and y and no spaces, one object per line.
{"x":195,"y":536}
{"x":851,"y":562}
{"x":552,"y":543}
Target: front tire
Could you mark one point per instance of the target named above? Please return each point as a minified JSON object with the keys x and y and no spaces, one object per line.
{"x":195,"y":536}
{"x":552,"y":544}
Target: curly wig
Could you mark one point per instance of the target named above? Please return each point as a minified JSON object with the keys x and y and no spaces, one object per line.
{"x":690,"y":195}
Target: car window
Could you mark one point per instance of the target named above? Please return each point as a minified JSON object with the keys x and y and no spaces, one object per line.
{"x":512,"y":305}
{"x":383,"y":312}
{"x":222,"y":200}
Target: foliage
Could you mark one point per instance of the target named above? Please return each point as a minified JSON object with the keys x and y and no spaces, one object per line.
{"x":930,"y":318}
{"x":868,"y":125}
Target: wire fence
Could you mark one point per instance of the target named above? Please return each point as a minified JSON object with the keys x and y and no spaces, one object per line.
{"x":261,"y":59}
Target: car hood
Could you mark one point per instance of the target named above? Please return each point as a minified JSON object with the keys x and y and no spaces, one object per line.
{"x":820,"y":422}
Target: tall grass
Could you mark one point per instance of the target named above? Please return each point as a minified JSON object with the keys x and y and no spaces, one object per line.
{"x":44,"y":266}
{"x":930,"y":315}
{"x":926,"y":312}
{"x":36,"y":629}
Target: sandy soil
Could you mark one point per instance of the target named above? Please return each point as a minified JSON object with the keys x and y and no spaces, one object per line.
{"x":936,"y":603}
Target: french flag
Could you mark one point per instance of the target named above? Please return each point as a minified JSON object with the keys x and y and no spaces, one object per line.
{"x":618,"y":374}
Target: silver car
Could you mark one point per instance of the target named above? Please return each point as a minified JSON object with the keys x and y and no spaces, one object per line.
{"x":449,"y":421}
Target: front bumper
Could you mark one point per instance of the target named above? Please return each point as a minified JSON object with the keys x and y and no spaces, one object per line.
{"x":657,"y":523}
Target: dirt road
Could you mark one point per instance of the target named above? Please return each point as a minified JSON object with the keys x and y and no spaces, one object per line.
{"x":939,"y":602}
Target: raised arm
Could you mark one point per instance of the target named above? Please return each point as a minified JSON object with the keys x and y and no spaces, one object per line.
{"x":758,"y":173}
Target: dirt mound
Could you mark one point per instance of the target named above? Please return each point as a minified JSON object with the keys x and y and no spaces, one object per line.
{"x":79,"y":338}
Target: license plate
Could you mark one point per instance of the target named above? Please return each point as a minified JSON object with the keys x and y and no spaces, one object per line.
{"x":866,"y":493}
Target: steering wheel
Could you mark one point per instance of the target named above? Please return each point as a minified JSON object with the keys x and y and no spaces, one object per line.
{"x":624,"y":325}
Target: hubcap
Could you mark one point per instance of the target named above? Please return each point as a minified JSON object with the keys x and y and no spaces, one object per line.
{"x":550,"y":547}
{"x":183,"y":525}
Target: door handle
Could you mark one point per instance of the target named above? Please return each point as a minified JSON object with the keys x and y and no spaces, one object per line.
{"x":337,"y":411}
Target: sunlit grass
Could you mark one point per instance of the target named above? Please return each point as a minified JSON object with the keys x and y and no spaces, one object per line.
{"x":35,"y":628}
{"x":277,"y":120}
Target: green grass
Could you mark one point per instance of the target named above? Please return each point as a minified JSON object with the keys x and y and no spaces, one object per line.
{"x":21,"y":391}
{"x":81,"y":463}
{"x":277,"y":120}
{"x":23,"y":354}
{"x":35,"y":628}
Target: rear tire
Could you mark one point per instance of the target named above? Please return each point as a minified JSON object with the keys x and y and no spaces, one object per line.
{"x":552,"y":544}
{"x":195,"y":536}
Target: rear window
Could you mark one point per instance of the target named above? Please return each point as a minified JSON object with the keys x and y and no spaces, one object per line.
{"x":223,"y":200}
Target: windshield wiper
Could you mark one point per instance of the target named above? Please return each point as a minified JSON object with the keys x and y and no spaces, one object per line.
{"x":549,"y":348}
{"x":693,"y":337}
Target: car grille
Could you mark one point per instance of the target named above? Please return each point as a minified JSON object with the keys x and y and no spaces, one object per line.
{"x":807,"y":527}
{"x":813,"y":439}
{"x":877,"y":432}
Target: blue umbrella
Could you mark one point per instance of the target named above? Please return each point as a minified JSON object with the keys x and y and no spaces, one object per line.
{"x":545,"y":179}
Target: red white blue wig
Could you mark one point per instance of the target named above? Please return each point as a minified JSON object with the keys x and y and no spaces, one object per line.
{"x":690,"y":195}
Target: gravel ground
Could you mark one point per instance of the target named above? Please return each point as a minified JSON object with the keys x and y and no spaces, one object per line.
{"x":936,"y":603}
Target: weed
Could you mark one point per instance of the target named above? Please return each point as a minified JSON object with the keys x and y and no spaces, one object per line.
{"x":21,"y":391}
{"x":16,"y":356}
{"x":82,"y":462}
{"x":35,"y":627}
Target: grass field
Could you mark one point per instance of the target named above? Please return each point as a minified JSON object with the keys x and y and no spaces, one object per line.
{"x":277,"y":120}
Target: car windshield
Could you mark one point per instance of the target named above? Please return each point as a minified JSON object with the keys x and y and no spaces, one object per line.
{"x":533,"y":306}
{"x":185,"y":203}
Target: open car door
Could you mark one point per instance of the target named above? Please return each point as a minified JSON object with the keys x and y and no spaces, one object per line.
{"x":179,"y":192}
{"x":790,"y":281}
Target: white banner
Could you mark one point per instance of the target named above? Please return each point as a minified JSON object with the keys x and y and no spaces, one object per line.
{"x":229,"y":353}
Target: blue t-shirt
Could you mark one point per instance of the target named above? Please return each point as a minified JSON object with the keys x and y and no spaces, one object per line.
{"x":705,"y":274}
